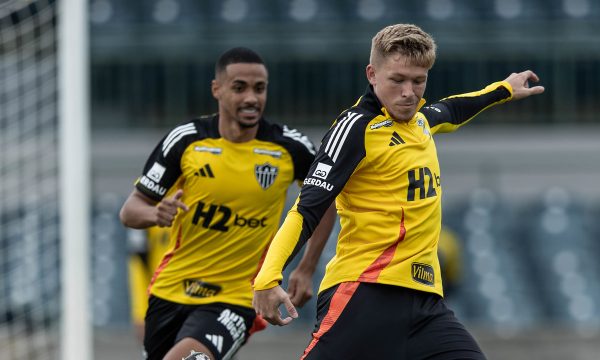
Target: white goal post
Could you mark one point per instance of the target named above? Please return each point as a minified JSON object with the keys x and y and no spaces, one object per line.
{"x":74,"y":139}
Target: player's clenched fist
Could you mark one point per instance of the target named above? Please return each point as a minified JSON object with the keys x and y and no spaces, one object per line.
{"x":166,"y":210}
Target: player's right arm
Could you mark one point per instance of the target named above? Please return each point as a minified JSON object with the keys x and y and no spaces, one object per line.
{"x":340,"y":154}
{"x":151,"y":201}
{"x":140,"y":211}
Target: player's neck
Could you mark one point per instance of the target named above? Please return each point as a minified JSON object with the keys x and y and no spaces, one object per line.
{"x":234,"y":132}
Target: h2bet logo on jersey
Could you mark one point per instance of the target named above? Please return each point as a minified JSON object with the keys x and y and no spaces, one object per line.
{"x":216,"y":217}
{"x":265,"y":175}
{"x":423,"y":180}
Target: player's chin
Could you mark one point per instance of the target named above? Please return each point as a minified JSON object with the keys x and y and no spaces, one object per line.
{"x":248,"y":122}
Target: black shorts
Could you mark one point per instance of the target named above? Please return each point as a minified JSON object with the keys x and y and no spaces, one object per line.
{"x":375,"y":321}
{"x":222,"y":328}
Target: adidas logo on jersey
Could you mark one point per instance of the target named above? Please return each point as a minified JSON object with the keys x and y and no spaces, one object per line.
{"x":205,"y":171}
{"x":396,"y":139}
{"x":217,"y":341}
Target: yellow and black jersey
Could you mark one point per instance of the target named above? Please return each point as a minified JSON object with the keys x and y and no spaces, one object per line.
{"x":235,"y":193}
{"x":385,"y":178}
{"x":147,"y":248}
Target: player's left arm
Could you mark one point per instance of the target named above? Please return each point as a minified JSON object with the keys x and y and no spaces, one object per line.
{"x":300,"y":284}
{"x":453,"y":112}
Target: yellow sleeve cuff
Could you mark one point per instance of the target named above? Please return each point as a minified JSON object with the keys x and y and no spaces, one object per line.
{"x":281,"y":248}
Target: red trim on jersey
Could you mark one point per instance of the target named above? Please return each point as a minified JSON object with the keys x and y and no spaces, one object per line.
{"x":262,"y":260}
{"x":165,"y":260}
{"x":338,"y":303}
{"x":258,"y":324}
{"x":371,"y":274}
{"x":345,"y":290}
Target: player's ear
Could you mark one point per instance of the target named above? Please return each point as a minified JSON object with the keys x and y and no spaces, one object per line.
{"x":370,"y":71}
{"x":214,"y":88}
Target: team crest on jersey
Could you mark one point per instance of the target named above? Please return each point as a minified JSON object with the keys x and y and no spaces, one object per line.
{"x":265,"y":174}
{"x":421,"y":123}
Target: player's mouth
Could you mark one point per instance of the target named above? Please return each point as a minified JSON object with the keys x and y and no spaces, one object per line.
{"x":249,"y":116}
{"x":250,"y":111}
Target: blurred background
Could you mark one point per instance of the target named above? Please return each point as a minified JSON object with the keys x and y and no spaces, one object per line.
{"x":521,"y":182}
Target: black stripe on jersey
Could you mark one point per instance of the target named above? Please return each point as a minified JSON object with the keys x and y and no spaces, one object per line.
{"x":177,"y":134}
{"x":321,"y":188}
{"x":315,"y":198}
{"x":340,"y":133}
{"x":299,"y":137}
{"x":169,"y":150}
{"x":459,"y":109}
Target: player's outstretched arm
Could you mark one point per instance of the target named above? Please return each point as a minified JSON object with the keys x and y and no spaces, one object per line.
{"x":266,"y":304}
{"x":520,"y":84}
{"x":140,"y":212}
{"x":300,"y":284}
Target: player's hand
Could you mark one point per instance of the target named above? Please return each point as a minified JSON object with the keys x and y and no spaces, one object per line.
{"x":300,"y":287}
{"x":166,"y":210}
{"x":266,"y":304}
{"x":520,"y":84}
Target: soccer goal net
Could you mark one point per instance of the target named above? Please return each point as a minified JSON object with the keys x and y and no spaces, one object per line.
{"x":29,"y":181}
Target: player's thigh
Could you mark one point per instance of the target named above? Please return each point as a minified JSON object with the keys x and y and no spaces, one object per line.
{"x":161,"y":325}
{"x":359,"y":321}
{"x":436,"y":333}
{"x":221,"y":328}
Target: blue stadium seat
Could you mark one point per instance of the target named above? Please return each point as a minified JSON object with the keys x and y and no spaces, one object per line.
{"x":495,"y":289}
{"x":560,"y":251}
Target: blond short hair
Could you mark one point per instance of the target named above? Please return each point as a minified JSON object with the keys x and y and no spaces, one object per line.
{"x":407,"y":40}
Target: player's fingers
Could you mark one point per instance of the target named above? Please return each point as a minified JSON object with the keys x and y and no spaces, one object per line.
{"x":178,"y":194}
{"x":163,"y":223}
{"x":273,"y":317}
{"x":536,"y":90}
{"x":289,"y":307}
{"x":530,"y":75}
{"x":300,"y":297}
{"x":296,"y":298}
{"x":305,"y":297}
{"x":180,"y":204}
{"x":292,"y":289}
{"x":166,"y":209}
{"x":164,"y":219}
{"x":267,"y":307}
{"x":283,"y":321}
